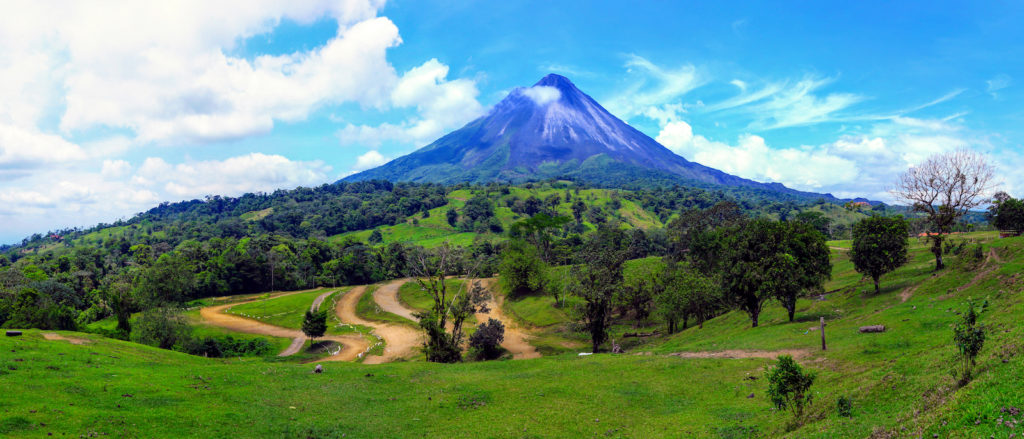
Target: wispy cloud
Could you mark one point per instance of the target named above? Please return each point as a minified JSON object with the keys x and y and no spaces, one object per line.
{"x":653,"y":85}
{"x":1000,"y":82}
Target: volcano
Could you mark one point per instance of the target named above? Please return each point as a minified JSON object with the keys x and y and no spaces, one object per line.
{"x":552,"y":130}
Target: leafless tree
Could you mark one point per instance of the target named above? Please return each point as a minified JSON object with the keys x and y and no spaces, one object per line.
{"x":945,"y":187}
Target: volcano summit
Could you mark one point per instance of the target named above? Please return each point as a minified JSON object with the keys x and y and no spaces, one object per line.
{"x":552,"y":129}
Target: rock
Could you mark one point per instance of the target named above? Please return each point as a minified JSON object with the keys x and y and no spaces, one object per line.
{"x":872,"y":328}
{"x":750,"y":396}
{"x":318,"y":369}
{"x":13,"y":333}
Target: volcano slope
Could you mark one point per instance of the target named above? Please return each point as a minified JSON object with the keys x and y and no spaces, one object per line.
{"x":898,"y":380}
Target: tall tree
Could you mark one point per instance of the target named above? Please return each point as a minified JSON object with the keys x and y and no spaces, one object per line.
{"x":430,"y":268}
{"x":945,"y":187}
{"x":314,"y":325}
{"x":879,"y":246}
{"x":1007,"y":213}
{"x":598,"y":279}
{"x":809,"y":265}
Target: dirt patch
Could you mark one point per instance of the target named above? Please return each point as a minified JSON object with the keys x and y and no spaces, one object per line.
{"x":400,"y":341}
{"x":735,"y":354}
{"x":907,"y":293}
{"x":387,"y":298}
{"x":72,"y":340}
{"x":515,"y":338}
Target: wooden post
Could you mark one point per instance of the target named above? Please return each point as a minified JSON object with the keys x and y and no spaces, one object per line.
{"x":823,"y":334}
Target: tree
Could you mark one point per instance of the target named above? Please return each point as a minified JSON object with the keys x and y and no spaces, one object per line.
{"x":692,"y":223}
{"x":537,"y":231}
{"x":969,"y":337}
{"x":578,"y":207}
{"x":375,"y":237}
{"x":486,"y":341}
{"x":452,"y":216}
{"x":314,"y":325}
{"x":789,"y":385}
{"x":1007,"y":213}
{"x":807,"y":269}
{"x":522,"y":271}
{"x":879,"y":246}
{"x":765,"y":259}
{"x":686,"y":293}
{"x":642,"y":285}
{"x":945,"y":187}
{"x":598,"y":279}
{"x":449,"y":307}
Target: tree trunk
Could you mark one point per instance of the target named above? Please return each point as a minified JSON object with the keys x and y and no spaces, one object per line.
{"x":876,"y":285}
{"x":792,"y":312}
{"x":686,"y":319}
{"x":753,"y":319}
{"x":937,"y":251}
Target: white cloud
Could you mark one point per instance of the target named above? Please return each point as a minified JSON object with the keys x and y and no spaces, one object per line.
{"x":115,"y":168}
{"x":441,"y":104}
{"x":371,"y":159}
{"x":232,"y":176}
{"x":653,"y":85}
{"x":997,"y":83}
{"x":542,"y":94}
{"x":24,"y":148}
{"x":852,"y":166}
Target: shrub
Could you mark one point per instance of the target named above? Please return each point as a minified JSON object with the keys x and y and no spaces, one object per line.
{"x":314,"y":325}
{"x":486,"y":341}
{"x":844,"y":406}
{"x":969,"y":337}
{"x":789,"y":385}
{"x":160,"y":327}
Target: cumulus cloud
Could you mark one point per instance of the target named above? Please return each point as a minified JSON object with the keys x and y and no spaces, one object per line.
{"x":167,"y":74}
{"x":851,"y":166}
{"x":542,"y":94}
{"x":371,"y":159}
{"x":232,"y":176}
{"x":441,"y":104}
{"x":115,"y":168}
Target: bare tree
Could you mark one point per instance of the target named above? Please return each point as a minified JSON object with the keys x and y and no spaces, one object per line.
{"x":945,"y":187}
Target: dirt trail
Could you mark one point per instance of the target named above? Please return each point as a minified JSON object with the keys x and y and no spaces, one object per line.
{"x":72,"y":340}
{"x":987,"y":268}
{"x":351,"y":346}
{"x":795,"y":353}
{"x":386,"y":297}
{"x":907,"y":293}
{"x":515,"y":339}
{"x":400,"y":341}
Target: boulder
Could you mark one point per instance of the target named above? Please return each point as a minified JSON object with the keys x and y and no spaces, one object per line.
{"x":873,"y":328}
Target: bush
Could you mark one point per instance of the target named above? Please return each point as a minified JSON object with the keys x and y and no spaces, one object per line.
{"x":969,"y":337}
{"x":314,"y":325}
{"x":789,"y":385}
{"x":164,"y":328}
{"x":844,"y":406}
{"x":486,"y":341}
{"x":228,"y":346}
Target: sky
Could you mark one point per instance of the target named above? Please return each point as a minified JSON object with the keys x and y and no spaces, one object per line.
{"x":108,"y":108}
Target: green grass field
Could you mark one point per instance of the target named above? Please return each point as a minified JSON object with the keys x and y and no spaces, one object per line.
{"x":286,"y":312}
{"x":899,"y":380}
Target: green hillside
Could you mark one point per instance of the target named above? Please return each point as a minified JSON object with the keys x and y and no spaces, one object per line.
{"x":898,"y":380}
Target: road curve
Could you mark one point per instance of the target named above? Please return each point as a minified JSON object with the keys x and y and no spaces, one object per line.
{"x":351,"y":346}
{"x":400,"y":341}
{"x":515,"y":339}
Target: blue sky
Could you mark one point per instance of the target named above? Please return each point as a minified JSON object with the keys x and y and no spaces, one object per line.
{"x":107,"y":110}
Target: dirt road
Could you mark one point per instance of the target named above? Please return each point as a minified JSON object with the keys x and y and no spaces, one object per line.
{"x":515,"y":339}
{"x":351,"y":346}
{"x":400,"y":341}
{"x":386,"y":297}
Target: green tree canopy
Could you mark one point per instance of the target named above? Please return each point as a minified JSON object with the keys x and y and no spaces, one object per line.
{"x":879,"y":246}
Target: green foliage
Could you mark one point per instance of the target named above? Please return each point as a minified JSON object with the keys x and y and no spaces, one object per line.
{"x":789,"y":385}
{"x":844,"y":406}
{"x":486,"y":341}
{"x":597,"y":281}
{"x":686,"y":293}
{"x":522,"y":272}
{"x":227,"y":346}
{"x":162,"y":327}
{"x":375,"y":237}
{"x":969,"y":338}
{"x":1007,"y":213}
{"x":879,"y":246}
{"x":764,"y":259}
{"x":314,"y":325}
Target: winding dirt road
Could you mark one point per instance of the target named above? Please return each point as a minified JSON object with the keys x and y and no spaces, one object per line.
{"x":387,"y":298}
{"x":400,"y":341}
{"x":351,"y":346}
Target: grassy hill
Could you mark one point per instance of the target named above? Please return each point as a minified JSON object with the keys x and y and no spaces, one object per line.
{"x":680,"y":386}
